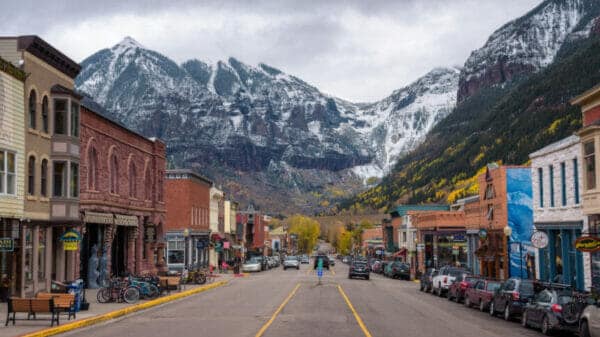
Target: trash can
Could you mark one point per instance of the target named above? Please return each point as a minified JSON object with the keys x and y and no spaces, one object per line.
{"x":76,"y":288}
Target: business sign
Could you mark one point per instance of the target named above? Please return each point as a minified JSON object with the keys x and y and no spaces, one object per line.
{"x":420,"y":246}
{"x":539,"y":239}
{"x":70,"y":239}
{"x":7,"y":244}
{"x":483,"y":234}
{"x":588,"y":244}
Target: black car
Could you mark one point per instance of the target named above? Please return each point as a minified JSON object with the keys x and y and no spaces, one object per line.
{"x":398,"y":270}
{"x":512,"y":297}
{"x":552,"y":310}
{"x":359,"y":269}
{"x":426,"y":280}
{"x":325,"y":259}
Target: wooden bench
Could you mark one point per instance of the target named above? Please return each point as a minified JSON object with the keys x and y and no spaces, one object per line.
{"x":62,"y":302}
{"x":169,"y":283}
{"x":31,"y":306}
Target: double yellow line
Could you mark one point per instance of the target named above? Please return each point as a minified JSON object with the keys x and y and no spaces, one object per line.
{"x":359,"y":320}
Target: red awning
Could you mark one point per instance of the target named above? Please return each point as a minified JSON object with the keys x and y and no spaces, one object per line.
{"x":401,"y":252}
{"x":216,"y":237}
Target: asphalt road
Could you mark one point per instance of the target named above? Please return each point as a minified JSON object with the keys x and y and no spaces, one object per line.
{"x":290,"y":303}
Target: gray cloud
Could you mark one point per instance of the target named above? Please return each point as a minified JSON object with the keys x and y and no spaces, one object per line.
{"x":357,"y":50}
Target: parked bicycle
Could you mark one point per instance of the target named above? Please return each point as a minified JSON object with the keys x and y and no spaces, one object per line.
{"x":146,"y":286}
{"x":118,"y":291}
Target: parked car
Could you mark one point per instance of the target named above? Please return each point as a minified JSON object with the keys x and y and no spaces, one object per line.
{"x":358,"y":269}
{"x":552,"y":310}
{"x":457,"y":289}
{"x":444,"y":278}
{"x":589,"y":322}
{"x":510,"y":299}
{"x":377,"y":267}
{"x":291,"y":262}
{"x":304,"y":259}
{"x":426,"y":280}
{"x":325,"y":261}
{"x":254,"y":264}
{"x":481,"y":294}
{"x":397,"y":270}
{"x":331,"y":261}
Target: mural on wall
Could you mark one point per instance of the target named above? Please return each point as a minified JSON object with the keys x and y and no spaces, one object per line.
{"x":520,"y":220}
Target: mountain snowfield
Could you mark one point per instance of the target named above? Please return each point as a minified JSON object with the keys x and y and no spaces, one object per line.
{"x":263,"y":107}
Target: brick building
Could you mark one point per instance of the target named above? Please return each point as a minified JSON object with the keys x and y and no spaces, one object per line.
{"x":187,"y":220}
{"x":254,"y":231}
{"x":122,"y":198}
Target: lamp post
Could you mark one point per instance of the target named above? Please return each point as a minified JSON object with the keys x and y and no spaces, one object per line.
{"x":186,"y":234}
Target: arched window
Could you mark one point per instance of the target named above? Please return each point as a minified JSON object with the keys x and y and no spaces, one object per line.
{"x":148,"y":185}
{"x":31,"y":176}
{"x":114,"y":175}
{"x":32,"y":109}
{"x":45,"y":127}
{"x":132,"y":181}
{"x":44,"y":176}
{"x":92,"y":169}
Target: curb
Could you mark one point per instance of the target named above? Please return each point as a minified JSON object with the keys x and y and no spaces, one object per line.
{"x":121,"y":312}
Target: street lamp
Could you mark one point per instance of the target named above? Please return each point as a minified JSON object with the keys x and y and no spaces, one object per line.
{"x":186,"y":234}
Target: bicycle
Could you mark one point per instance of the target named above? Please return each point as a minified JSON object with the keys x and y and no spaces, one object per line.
{"x":118,"y":291}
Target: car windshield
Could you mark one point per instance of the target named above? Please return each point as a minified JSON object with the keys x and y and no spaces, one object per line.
{"x":492,"y":286}
{"x":291,"y":258}
{"x":564,"y":298}
{"x":254,"y":260}
{"x":456,"y":272}
{"x":471,"y":279}
{"x":526,"y":288}
{"x":359,"y":264}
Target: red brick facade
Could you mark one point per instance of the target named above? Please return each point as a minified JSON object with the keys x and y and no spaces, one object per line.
{"x":254,"y":230}
{"x":122,"y":177}
{"x":188,"y":201}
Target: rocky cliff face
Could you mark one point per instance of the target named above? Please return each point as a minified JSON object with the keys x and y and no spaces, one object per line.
{"x":259,"y":125}
{"x":527,"y":44}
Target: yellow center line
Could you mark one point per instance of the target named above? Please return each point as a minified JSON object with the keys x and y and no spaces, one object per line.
{"x":356,"y":316}
{"x":270,"y":321}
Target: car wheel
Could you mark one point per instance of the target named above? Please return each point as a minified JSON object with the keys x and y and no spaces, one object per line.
{"x":457,"y":299}
{"x":367,"y":278}
{"x":492,"y":308}
{"x":350,"y":277}
{"x":421,"y":288}
{"x":482,"y":306}
{"x":284,"y":268}
{"x":467,"y":302}
{"x":584,"y":330}
{"x":449,"y":296}
{"x":524,"y":319}
{"x":546,"y":330}
{"x":297,"y":268}
{"x":507,"y":313}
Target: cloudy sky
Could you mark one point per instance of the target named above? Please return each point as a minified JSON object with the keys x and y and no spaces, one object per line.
{"x":357,"y":50}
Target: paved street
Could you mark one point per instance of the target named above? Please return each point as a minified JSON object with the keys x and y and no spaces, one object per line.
{"x":245,"y":307}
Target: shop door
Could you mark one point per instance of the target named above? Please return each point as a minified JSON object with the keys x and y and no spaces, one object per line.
{"x":119,"y":252}
{"x":92,"y":242}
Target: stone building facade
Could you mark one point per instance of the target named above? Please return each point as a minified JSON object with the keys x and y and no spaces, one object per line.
{"x":122,"y":199}
{"x":557,"y":211}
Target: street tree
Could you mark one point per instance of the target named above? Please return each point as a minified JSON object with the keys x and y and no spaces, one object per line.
{"x":307,"y":231}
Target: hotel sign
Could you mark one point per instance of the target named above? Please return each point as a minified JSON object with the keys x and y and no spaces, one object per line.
{"x":588,"y":244}
{"x":7,"y":244}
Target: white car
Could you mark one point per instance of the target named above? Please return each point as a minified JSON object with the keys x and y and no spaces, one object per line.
{"x":252,"y":265}
{"x":291,"y":262}
{"x":443,"y":279}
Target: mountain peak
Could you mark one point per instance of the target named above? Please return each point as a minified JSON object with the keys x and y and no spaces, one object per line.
{"x":128,"y":43}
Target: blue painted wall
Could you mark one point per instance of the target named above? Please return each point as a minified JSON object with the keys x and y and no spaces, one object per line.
{"x":520,"y":219}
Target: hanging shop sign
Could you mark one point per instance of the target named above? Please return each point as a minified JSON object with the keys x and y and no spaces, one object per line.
{"x":587,"y":244}
{"x":483,"y":234}
{"x":539,"y":239}
{"x":226,"y":244}
{"x":7,"y":244}
{"x":71,"y":239}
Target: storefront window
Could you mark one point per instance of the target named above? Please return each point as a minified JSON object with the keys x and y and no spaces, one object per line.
{"x":28,"y":255}
{"x":42,"y":255}
{"x":175,"y":251}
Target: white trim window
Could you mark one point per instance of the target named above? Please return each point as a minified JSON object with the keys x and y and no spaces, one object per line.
{"x":175,"y":250}
{"x":8,"y":173}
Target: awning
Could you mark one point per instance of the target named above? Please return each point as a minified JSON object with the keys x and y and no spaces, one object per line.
{"x":126,"y":220}
{"x":99,"y":218}
{"x":401,"y":252}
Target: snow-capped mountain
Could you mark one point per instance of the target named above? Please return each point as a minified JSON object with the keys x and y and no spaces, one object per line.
{"x":527,"y":44}
{"x":260,"y":120}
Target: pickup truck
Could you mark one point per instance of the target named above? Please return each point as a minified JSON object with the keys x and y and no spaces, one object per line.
{"x":443,"y":279}
{"x":481,"y":294}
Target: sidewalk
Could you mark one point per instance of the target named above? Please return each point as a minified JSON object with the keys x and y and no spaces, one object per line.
{"x":96,"y":309}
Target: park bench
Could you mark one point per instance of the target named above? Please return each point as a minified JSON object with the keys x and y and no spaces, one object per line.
{"x":169,"y":283}
{"x":31,"y":306}
{"x":62,"y":302}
